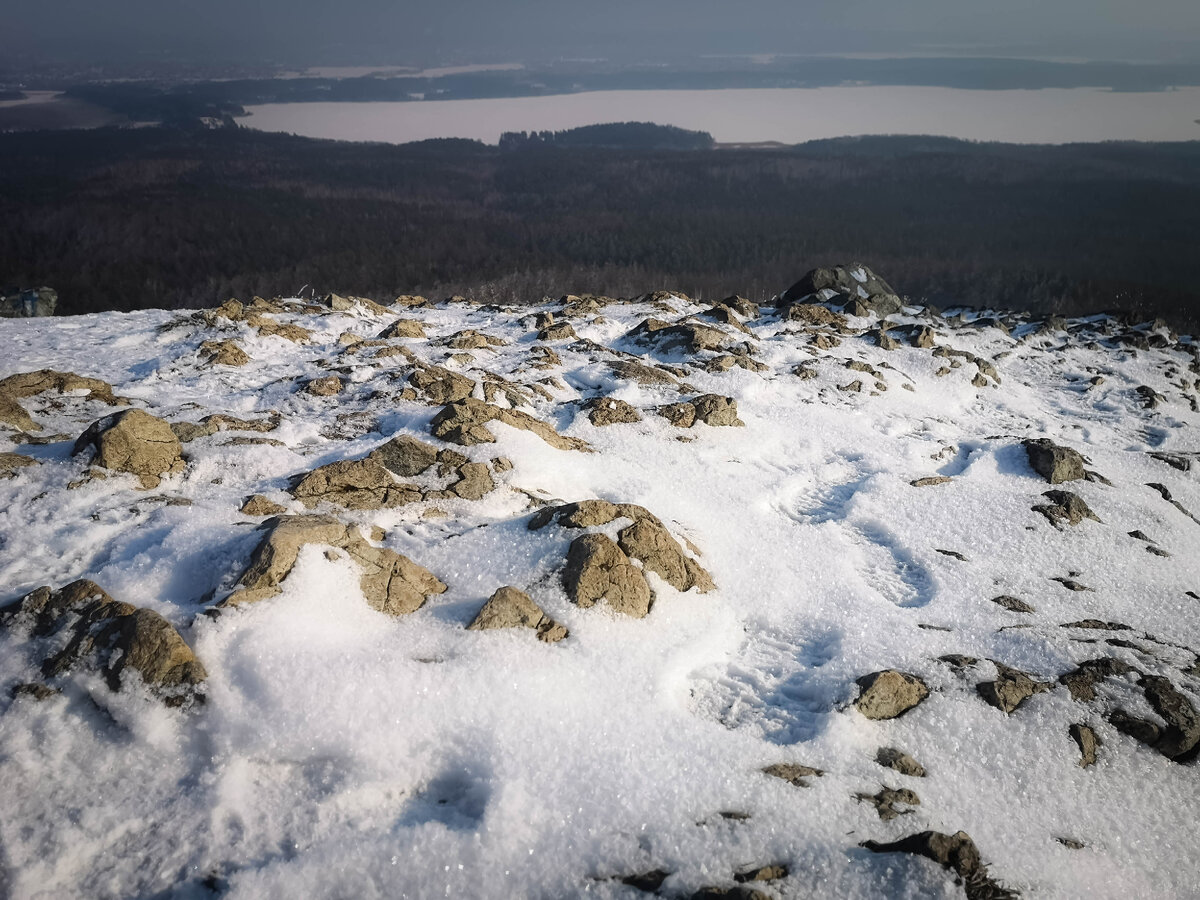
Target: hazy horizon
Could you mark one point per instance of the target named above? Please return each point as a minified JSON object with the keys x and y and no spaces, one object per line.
{"x":374,"y":32}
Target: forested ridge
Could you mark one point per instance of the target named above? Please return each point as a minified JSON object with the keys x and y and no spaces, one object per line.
{"x":125,"y":219}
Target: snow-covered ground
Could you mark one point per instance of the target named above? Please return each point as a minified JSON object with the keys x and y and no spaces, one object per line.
{"x":344,"y":752}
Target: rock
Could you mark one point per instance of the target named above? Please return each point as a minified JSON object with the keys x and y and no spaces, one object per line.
{"x":410,"y":300}
{"x":885,"y":802}
{"x":957,"y":852}
{"x":924,"y":338}
{"x":647,"y":882}
{"x":816,"y":315}
{"x":271,"y":328}
{"x":891,"y":758}
{"x":715,"y":410}
{"x":1088,"y":743}
{"x":29,"y":384}
{"x":681,"y":415}
{"x":84,"y":622}
{"x":405,"y":456}
{"x":691,"y":337}
{"x":560,"y":332}
{"x":931,"y":480}
{"x":471,"y":339}
{"x":135,"y":442}
{"x":475,"y":480}
{"x":1137,"y":728}
{"x":854,"y":281}
{"x":736,"y":892}
{"x":511,"y":608}
{"x":1065,"y":506}
{"x":440,"y":385}
{"x":354,"y":484}
{"x":14,"y":414}
{"x":648,"y":541}
{"x":854,"y":387}
{"x":1011,"y":688}
{"x":604,"y":411}
{"x":1180,"y":740}
{"x":403,"y":328}
{"x":1149,"y":397}
{"x":391,"y":583}
{"x":324,"y":387}
{"x":464,"y":423}
{"x":1071,"y":585}
{"x":888,"y":694}
{"x":885,"y":341}
{"x":597,"y":569}
{"x":1013,"y":604}
{"x":258,"y":505}
{"x":224,"y":353}
{"x":1054,"y":463}
{"x":770,"y":872}
{"x":642,"y":374}
{"x":35,"y":690}
{"x":1081,"y":681}
{"x":11,"y":462}
{"x":793,"y":773}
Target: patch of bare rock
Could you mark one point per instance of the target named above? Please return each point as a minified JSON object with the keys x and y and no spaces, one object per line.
{"x":135,"y":442}
{"x":889,"y":694}
{"x":509,"y":607}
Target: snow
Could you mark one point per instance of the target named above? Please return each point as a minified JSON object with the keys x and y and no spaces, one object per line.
{"x":345,"y":753}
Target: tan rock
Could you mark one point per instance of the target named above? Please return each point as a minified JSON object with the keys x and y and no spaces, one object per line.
{"x":648,"y":541}
{"x":224,"y":353}
{"x":403,"y":328}
{"x":888,"y":694}
{"x":642,"y":374}
{"x":473,"y":340}
{"x":29,"y":384}
{"x":405,"y":456}
{"x":681,"y":415}
{"x":474,"y":482}
{"x":604,"y":411}
{"x":440,"y":385}
{"x":260,"y":505}
{"x":354,"y":484}
{"x":135,"y":442}
{"x":324,"y":387}
{"x":715,"y":410}
{"x":464,"y":423}
{"x":14,"y":414}
{"x":512,"y":608}
{"x":598,"y":570}
{"x":272,"y":328}
{"x":560,"y":332}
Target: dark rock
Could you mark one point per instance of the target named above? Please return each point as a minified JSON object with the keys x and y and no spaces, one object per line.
{"x":1011,"y":688}
{"x":648,"y":882}
{"x":957,"y":852}
{"x":1065,"y":507}
{"x":770,"y":872}
{"x":1054,"y":463}
{"x":1140,"y":729}
{"x":1180,"y":740}
{"x":891,"y":758}
{"x":885,"y":802}
{"x":1082,"y":680}
{"x":1088,"y":742}
{"x":1013,"y":604}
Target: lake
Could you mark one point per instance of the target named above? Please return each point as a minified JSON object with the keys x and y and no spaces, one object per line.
{"x":792,"y":115}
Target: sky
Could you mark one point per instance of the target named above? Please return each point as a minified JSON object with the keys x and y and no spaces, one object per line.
{"x":437,"y":31}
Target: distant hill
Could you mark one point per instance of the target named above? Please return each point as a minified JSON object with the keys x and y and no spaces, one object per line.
{"x":614,"y":135}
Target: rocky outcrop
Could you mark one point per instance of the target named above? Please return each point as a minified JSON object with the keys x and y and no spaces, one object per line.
{"x":135,"y":442}
{"x":29,"y":384}
{"x":711,"y":409}
{"x":509,"y":607}
{"x":328,"y":386}
{"x":604,"y":411}
{"x":851,"y":285}
{"x":1053,"y":462}
{"x":690,"y":337}
{"x":464,"y":423}
{"x":354,"y":484}
{"x":598,"y":570}
{"x":84,"y":626}
{"x":391,"y":583}
{"x":888,"y":694}
{"x":403,"y":328}
{"x":441,"y":386}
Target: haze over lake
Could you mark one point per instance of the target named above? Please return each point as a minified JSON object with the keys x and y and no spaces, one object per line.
{"x":1048,"y":116}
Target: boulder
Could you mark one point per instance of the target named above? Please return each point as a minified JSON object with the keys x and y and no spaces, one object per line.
{"x":691,"y":337}
{"x":83,"y":623}
{"x":1053,"y":462}
{"x":29,"y":384}
{"x":642,"y":374}
{"x":888,"y":694}
{"x":13,"y":413}
{"x":259,"y":505}
{"x":224,"y":353}
{"x":391,"y":583}
{"x":328,"y":386}
{"x":135,"y":442}
{"x":1065,"y":507}
{"x":403,"y":328}
{"x":269,"y":327}
{"x":816,"y":315}
{"x":854,"y":281}
{"x":560,"y":332}
{"x":441,"y":386}
{"x":354,"y":484}
{"x":1180,"y":740}
{"x":604,"y":411}
{"x":405,"y":456}
{"x":512,"y":608}
{"x":648,"y":541}
{"x":1011,"y":688}
{"x":597,"y":569}
{"x":681,"y":415}
{"x":715,"y":410}
{"x":473,"y":340}
{"x":464,"y":423}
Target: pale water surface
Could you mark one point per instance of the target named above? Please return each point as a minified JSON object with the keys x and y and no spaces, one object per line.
{"x":1050,"y":116}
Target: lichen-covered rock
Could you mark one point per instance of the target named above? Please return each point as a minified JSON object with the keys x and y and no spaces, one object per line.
{"x":464,"y":423}
{"x":1011,"y":688}
{"x":604,"y":411}
{"x":83,"y":622}
{"x":715,"y":410}
{"x":1065,"y":506}
{"x":681,"y":415}
{"x":403,"y":328}
{"x":598,"y":570}
{"x":1053,"y":462}
{"x":224,"y":353}
{"x":470,"y":339}
{"x":888,"y":694}
{"x":509,"y":607}
{"x":354,"y":484}
{"x":259,"y":505}
{"x":135,"y":442}
{"x":391,"y":583}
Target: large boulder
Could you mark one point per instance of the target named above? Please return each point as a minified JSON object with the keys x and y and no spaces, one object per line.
{"x":84,"y":625}
{"x":135,"y":442}
{"x":852,"y":284}
{"x":391,"y":583}
{"x":29,"y":384}
{"x":441,"y":386}
{"x":598,"y":570}
{"x":354,"y":484}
